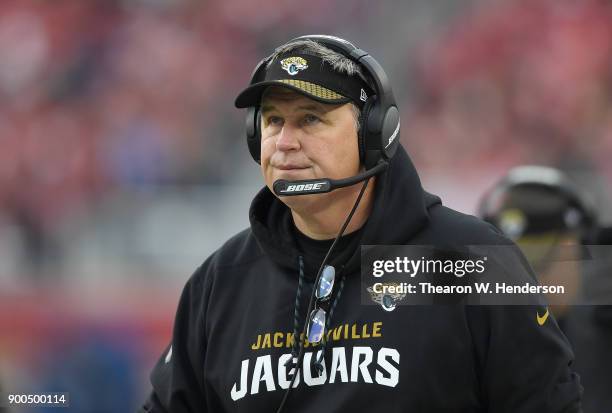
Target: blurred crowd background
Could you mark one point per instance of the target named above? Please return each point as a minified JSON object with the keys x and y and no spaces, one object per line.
{"x":123,"y":162}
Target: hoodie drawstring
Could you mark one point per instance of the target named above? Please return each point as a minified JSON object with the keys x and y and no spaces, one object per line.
{"x":296,"y":313}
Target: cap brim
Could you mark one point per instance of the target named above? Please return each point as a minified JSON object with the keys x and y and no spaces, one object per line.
{"x":251,"y":96}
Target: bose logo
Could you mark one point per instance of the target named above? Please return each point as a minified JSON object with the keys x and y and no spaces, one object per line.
{"x":304,"y":187}
{"x":394,"y":135}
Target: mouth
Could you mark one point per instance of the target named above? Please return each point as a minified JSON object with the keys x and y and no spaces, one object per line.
{"x":291,"y":172}
{"x":290,"y":167}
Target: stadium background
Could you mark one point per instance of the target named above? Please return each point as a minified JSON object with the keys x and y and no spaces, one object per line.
{"x":123,"y":162}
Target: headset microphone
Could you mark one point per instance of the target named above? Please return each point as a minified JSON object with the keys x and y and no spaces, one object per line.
{"x":283,"y":187}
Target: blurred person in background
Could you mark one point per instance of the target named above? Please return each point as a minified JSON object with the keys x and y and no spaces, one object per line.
{"x":318,"y":107}
{"x":542,"y":211}
{"x":553,"y":223}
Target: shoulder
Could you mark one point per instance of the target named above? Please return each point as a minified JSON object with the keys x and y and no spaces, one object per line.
{"x":239,"y":250}
{"x":456,"y":231}
{"x":447,"y":226}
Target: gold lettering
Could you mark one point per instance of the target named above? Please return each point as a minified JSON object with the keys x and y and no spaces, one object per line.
{"x":376,"y":329}
{"x":346,"y":331}
{"x":290,"y":340}
{"x":354,"y":334}
{"x":364,"y":331}
{"x":277,"y":340}
{"x":267,"y":341}
{"x":255,"y":346}
{"x":337,"y":333}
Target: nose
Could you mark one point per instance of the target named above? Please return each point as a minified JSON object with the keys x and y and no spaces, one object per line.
{"x":288,"y":139}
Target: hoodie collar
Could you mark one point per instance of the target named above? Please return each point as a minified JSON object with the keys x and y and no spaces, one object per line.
{"x":399,"y":212}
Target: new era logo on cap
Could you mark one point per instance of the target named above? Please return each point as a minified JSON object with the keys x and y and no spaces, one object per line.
{"x":363,"y":95}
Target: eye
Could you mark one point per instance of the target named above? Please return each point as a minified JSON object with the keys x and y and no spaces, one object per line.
{"x":311,"y":119}
{"x":274,"y":121}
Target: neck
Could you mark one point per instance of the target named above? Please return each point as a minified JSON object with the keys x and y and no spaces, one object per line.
{"x":325,"y":219}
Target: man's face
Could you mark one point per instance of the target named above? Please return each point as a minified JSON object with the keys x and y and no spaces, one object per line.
{"x":304,"y":139}
{"x":555,"y":257}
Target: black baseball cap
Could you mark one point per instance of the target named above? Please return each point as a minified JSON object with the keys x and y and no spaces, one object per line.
{"x":309,"y":75}
{"x":539,"y":209}
{"x":533,"y":200}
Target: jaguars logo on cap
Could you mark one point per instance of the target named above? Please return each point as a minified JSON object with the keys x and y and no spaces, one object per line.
{"x":388,"y":301}
{"x":294,"y":64}
{"x":513,"y":223}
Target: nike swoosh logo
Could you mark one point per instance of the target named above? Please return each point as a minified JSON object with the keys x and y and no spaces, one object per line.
{"x":542,"y":320}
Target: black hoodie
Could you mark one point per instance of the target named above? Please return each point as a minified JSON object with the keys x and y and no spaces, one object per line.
{"x":234,"y":324}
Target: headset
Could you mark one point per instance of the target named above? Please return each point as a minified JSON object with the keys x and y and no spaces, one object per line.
{"x":378,"y":137}
{"x":549,"y":179}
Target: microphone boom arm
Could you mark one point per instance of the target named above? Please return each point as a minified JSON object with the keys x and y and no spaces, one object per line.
{"x":283,"y":187}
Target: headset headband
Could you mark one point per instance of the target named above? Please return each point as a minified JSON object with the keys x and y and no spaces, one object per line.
{"x":376,"y":76}
{"x":378,"y":137}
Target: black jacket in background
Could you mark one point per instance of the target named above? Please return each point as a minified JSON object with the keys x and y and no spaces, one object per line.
{"x":230,"y":338}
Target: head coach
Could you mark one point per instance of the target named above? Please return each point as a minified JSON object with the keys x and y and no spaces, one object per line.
{"x":273,"y":321}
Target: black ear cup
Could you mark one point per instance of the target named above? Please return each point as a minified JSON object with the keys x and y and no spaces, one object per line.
{"x":362,"y":133}
{"x":390,"y":132}
{"x":253,"y":120}
{"x":253,"y":133}
{"x":588,"y":217}
{"x":379,"y":136}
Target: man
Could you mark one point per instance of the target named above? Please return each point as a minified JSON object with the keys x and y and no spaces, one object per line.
{"x":543,"y":212}
{"x":551,"y":221}
{"x":273,"y":320}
